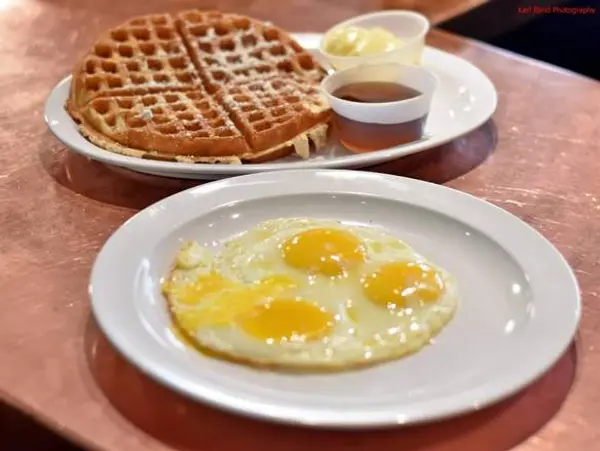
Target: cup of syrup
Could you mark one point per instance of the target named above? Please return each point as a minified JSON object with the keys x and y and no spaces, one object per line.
{"x":379,"y":106}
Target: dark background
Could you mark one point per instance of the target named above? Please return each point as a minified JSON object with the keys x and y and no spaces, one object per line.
{"x":569,"y":41}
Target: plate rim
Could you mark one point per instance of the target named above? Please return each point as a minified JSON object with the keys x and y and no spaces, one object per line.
{"x":56,"y":118}
{"x":260,"y":410}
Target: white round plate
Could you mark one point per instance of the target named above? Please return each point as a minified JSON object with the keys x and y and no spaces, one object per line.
{"x":464,"y":99}
{"x":519,"y":300}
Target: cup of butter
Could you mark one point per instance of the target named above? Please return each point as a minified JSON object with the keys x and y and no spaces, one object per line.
{"x":376,"y":38}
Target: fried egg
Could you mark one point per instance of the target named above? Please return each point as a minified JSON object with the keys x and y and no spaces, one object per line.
{"x":309,"y":293}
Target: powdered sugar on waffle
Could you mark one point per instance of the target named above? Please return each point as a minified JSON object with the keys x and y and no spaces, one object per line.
{"x":171,"y":86}
{"x":231,"y":47}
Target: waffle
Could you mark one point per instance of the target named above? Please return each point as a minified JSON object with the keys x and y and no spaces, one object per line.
{"x":275,"y":108}
{"x":141,"y":56}
{"x":184,"y":123}
{"x":203,"y":87}
{"x":230,"y":47}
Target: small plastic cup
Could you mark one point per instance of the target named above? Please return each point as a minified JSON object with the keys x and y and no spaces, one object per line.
{"x":410,"y":27}
{"x":365,"y":127}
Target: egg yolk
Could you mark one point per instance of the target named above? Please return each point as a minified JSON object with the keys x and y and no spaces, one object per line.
{"x":286,"y":320}
{"x":323,"y":251}
{"x":222,"y":300}
{"x":204,"y":286}
{"x":394,"y":284}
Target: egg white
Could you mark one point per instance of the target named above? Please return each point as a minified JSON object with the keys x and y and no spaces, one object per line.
{"x":362,"y":333}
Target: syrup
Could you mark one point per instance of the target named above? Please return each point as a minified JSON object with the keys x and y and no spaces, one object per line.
{"x":366,"y":137}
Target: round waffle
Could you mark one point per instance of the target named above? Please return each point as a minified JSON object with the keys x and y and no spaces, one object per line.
{"x":205,"y":87}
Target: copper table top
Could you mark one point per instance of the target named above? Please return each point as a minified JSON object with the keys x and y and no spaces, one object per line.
{"x":538,"y":158}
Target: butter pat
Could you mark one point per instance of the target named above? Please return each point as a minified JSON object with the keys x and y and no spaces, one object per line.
{"x":357,"y":41}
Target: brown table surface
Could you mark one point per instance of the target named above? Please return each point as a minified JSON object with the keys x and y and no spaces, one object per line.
{"x":538,"y":158}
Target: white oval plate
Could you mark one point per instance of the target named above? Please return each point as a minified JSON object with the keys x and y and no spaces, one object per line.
{"x":464,"y":99}
{"x":519,"y":300}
